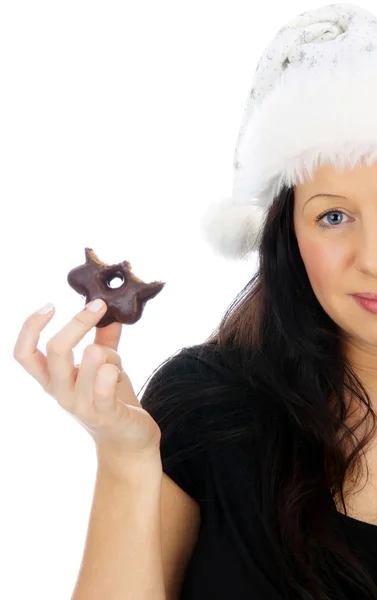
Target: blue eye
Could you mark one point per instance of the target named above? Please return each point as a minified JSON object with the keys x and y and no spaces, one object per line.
{"x":329,"y":212}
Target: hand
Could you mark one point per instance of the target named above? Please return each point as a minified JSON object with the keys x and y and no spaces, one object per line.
{"x":97,"y":393}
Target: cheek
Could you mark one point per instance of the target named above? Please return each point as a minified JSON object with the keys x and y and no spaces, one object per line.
{"x":323,"y":263}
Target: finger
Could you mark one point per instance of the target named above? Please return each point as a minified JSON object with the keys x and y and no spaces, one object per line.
{"x":104,"y":388}
{"x":94,"y":357}
{"x":109,"y":335}
{"x":60,"y":358}
{"x":25,"y":350}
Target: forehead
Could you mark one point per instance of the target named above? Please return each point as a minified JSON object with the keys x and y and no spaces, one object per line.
{"x":349,"y":182}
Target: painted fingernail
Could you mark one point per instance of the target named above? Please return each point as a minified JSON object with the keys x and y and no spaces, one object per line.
{"x":95,"y":306}
{"x":45,"y":309}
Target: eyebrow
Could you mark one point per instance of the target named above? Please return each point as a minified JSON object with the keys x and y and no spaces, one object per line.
{"x":324,"y":195}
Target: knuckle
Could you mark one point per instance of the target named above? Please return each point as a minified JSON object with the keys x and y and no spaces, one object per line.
{"x":107,"y":366}
{"x":82,"y":416}
{"x":110,"y":368}
{"x":103,"y":369}
{"x":95,"y":352}
{"x":50,"y":389}
{"x":66,"y":401}
{"x":107,"y":375}
{"x":81,"y":400}
{"x":17,"y":355}
{"x":82,"y":318}
{"x":79,"y":405}
{"x":114,"y":357}
{"x":52,"y":347}
{"x":29,"y":323}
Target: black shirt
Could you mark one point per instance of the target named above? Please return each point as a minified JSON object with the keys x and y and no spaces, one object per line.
{"x":232,"y":558}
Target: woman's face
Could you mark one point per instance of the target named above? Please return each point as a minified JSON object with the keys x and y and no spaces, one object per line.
{"x":340,"y":249}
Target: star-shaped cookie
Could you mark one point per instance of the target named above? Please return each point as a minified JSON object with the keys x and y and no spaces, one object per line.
{"x":126,"y":303}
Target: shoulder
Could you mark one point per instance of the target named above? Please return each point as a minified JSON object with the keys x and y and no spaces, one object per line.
{"x":201,"y":406}
{"x":190,"y":380}
{"x":198,"y":359}
{"x":195,"y":396}
{"x":189,"y":365}
{"x":173,"y":383}
{"x":202,"y":363}
{"x":179,"y":396}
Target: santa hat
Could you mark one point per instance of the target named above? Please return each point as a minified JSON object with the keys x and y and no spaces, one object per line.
{"x":313,"y":101}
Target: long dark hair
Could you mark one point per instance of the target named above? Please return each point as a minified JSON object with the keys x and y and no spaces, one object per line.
{"x":282,"y":361}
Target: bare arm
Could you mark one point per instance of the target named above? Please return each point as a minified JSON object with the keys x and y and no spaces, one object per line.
{"x":123,"y":558}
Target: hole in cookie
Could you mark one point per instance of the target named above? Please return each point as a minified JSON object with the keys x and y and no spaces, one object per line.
{"x":115,"y":282}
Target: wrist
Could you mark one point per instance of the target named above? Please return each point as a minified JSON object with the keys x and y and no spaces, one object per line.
{"x":138,"y":470}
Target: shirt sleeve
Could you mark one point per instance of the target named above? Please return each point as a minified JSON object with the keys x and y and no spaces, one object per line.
{"x":174,"y":396}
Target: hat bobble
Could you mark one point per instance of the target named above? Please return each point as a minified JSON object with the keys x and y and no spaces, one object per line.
{"x":232,"y":229}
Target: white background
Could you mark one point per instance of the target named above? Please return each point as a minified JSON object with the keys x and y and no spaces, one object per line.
{"x":118,"y":123}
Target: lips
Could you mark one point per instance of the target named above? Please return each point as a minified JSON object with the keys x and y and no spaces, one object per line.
{"x":367,"y":295}
{"x":368,"y":304}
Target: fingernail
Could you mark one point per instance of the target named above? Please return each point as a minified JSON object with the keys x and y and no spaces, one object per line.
{"x":45,"y":309}
{"x":95,"y":306}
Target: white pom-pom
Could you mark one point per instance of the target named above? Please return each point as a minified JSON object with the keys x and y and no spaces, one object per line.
{"x":232,"y":229}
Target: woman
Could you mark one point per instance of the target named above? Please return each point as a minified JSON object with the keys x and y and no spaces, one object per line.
{"x":267,"y":430}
